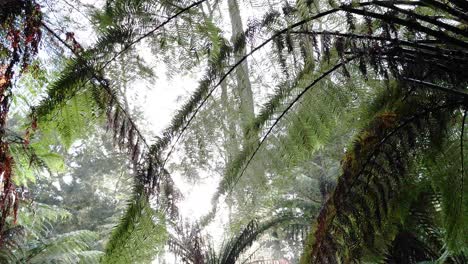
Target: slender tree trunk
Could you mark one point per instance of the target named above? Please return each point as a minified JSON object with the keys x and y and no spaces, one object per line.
{"x":256,"y":178}
{"x":244,"y":87}
{"x":229,"y":129}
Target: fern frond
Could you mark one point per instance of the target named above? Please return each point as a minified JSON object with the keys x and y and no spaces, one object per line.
{"x":69,"y":82}
{"x":239,"y":165}
{"x":443,"y":170}
{"x":193,"y":249}
{"x":356,"y":211}
{"x":140,"y":235}
{"x":31,"y":242}
{"x":233,"y":249}
{"x":63,"y":248}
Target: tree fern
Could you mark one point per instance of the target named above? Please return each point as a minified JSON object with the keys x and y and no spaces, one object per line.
{"x":22,"y":35}
{"x":376,"y":165}
{"x":150,"y":173}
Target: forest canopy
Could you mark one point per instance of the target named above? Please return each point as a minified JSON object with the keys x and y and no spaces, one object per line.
{"x":222,"y":132}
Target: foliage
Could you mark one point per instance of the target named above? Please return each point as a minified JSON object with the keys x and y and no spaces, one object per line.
{"x":192,"y":248}
{"x":20,"y":34}
{"x":35,"y":244}
{"x":139,"y":237}
{"x":391,"y":75}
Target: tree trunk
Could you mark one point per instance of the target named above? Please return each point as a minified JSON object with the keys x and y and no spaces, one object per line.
{"x":244,"y":86}
{"x":255,"y":179}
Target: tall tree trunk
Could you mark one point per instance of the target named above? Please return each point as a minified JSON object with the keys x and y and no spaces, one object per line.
{"x":256,"y":175}
{"x":244,"y":87}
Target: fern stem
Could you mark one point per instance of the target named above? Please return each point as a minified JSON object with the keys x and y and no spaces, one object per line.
{"x":446,"y":8}
{"x":407,"y":23}
{"x":462,"y":157}
{"x":325,"y":74}
{"x":424,"y":18}
{"x":415,"y":44}
{"x":102,"y":82}
{"x":437,"y":87}
{"x":151,"y":32}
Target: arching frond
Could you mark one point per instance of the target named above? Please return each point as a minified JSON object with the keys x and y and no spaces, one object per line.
{"x":375,"y":173}
{"x":65,"y":248}
{"x":32,"y":243}
{"x":233,"y":249}
{"x":194,"y":249}
{"x":140,"y":235}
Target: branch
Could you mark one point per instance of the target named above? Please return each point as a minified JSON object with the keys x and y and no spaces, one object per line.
{"x":447,"y":58}
{"x":419,"y":45}
{"x":446,"y":8}
{"x":424,"y":18}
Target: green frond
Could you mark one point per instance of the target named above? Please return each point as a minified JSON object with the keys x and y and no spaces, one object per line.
{"x":29,"y":161}
{"x":65,"y":248}
{"x":89,"y":256}
{"x":235,"y":246}
{"x":39,"y":218}
{"x":140,"y":235}
{"x":317,"y":114}
{"x":443,"y":170}
{"x":72,"y":78}
{"x":194,"y":249}
{"x":34,"y":244}
{"x":188,"y":111}
{"x":372,"y":211}
{"x":73,"y":120}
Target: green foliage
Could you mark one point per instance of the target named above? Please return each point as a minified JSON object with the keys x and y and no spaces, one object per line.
{"x":443,"y":170}
{"x":232,"y":250}
{"x":39,"y":218}
{"x":75,"y":119}
{"x":35,"y":244}
{"x":398,"y":75}
{"x":74,"y":75}
{"x":369,"y":200}
{"x":140,"y":235}
{"x":194,"y":249}
{"x":71,"y":247}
